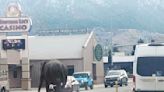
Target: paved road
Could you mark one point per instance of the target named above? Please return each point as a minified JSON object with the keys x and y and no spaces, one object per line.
{"x":101,"y":88}
{"x":97,"y":88}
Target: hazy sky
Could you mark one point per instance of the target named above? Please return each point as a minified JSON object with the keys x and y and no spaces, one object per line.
{"x":109,"y":14}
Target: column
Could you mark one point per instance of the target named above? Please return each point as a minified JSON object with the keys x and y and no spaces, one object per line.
{"x":26,"y":80}
{"x":3,"y":59}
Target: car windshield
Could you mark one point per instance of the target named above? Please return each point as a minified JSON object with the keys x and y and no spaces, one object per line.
{"x":149,"y":66}
{"x":113,"y":73}
{"x":81,"y":75}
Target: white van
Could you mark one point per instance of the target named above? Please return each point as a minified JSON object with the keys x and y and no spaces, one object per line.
{"x":148,"y":68}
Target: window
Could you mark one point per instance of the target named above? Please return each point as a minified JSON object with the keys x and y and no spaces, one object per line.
{"x":81,"y":75}
{"x":70,"y":69}
{"x":148,"y":66}
{"x":15,"y":73}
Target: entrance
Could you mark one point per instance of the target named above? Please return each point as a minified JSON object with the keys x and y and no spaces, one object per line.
{"x":15,"y":75}
{"x":70,"y":70}
{"x":94,"y":71}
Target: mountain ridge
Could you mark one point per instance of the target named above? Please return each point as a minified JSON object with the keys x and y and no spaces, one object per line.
{"x":109,"y":14}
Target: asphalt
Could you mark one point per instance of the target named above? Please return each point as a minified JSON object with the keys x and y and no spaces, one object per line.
{"x":43,"y":89}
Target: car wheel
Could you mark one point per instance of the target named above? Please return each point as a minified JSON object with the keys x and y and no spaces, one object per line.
{"x":86,"y":86}
{"x":76,"y":91}
{"x":121,"y":82}
{"x":3,"y":90}
{"x":106,"y":86}
{"x":111,"y":85}
{"x":91,"y":87}
{"x":126,"y":84}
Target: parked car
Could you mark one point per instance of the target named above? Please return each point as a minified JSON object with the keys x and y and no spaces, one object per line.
{"x":85,"y":79}
{"x":72,"y":84}
{"x":113,"y":76}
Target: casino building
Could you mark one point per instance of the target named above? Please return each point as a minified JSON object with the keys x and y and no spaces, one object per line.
{"x":21,"y":56}
{"x":74,"y":51}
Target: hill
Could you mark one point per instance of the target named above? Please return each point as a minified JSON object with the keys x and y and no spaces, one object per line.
{"x":124,"y":39}
{"x":110,"y":14}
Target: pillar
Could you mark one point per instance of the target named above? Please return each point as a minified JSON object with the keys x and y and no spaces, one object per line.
{"x":3,"y":59}
{"x":26,"y":80}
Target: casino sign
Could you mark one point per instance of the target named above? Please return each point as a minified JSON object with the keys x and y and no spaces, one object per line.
{"x":20,"y":24}
{"x":14,"y":22}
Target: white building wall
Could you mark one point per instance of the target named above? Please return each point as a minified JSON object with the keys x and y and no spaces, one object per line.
{"x":88,"y":56}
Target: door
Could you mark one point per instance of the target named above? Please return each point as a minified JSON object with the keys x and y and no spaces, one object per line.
{"x":70,"y":70}
{"x":145,"y":78}
{"x":152,"y":71}
{"x":15,"y":74}
{"x":160,"y":69}
{"x":94,"y":71}
{"x":159,"y":84}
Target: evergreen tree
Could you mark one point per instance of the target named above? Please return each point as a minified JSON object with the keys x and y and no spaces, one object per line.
{"x":140,"y":41}
{"x":110,"y":57}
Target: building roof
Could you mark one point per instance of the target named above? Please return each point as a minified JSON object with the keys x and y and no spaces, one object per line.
{"x":57,"y":47}
{"x":117,"y":59}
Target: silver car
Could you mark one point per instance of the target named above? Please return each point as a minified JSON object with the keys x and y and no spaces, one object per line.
{"x":116,"y":77}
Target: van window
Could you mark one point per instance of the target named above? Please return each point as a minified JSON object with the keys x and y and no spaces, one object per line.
{"x":113,"y":73}
{"x":148,"y":66}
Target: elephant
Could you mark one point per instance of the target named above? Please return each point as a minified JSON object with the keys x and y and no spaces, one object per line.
{"x":53,"y":72}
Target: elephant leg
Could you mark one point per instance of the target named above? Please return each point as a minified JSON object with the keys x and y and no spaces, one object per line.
{"x":47,"y":87}
{"x":58,"y":87}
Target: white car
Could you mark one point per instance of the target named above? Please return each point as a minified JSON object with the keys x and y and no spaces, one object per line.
{"x":72,"y":84}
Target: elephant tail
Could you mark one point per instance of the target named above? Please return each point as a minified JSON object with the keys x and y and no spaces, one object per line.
{"x":41,"y":76}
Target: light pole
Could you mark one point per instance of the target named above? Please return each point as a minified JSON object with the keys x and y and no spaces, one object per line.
{"x":110,"y":47}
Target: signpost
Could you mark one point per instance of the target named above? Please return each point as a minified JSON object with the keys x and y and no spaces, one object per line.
{"x":14,"y":22}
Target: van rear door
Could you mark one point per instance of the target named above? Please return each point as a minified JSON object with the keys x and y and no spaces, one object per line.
{"x":152,"y":71}
{"x":160,"y":69}
{"x":145,"y":83}
{"x":159,"y":84}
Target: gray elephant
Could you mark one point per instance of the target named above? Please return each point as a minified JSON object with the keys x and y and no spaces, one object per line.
{"x":53,"y":73}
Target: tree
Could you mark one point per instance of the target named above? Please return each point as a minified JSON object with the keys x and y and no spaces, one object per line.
{"x":152,"y":40}
{"x":110,"y":57}
{"x":133,"y":51}
{"x":140,"y":41}
{"x":115,"y":49}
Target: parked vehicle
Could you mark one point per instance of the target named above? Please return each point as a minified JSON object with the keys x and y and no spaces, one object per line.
{"x":72,"y":84}
{"x":3,"y":81}
{"x":113,"y":76}
{"x":149,"y":68}
{"x":85,"y":79}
